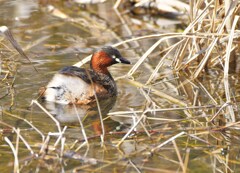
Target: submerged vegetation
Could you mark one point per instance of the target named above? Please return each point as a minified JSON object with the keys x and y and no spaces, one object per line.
{"x":185,"y":83}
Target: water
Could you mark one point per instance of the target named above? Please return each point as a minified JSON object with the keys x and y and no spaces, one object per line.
{"x":67,"y":35}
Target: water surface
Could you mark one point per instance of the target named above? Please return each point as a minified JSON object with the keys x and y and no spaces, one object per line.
{"x":61,"y":38}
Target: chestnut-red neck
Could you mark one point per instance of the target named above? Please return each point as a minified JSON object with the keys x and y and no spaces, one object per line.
{"x":100,"y":61}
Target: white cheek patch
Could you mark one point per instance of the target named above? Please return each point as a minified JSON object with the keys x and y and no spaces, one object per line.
{"x":116,"y":59}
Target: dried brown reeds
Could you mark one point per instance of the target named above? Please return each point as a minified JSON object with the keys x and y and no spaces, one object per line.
{"x":209,"y":41}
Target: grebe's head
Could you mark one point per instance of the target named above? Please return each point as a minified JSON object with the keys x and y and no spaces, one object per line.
{"x":106,"y":57}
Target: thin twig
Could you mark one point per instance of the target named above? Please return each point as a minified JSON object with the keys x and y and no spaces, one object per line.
{"x":16,"y":163}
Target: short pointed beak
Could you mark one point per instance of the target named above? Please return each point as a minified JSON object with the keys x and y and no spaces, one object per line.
{"x":124,"y":61}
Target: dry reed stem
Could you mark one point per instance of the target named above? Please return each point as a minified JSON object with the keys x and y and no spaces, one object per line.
{"x":167,"y":141}
{"x":207,"y":92}
{"x":165,"y":36}
{"x":16,"y":162}
{"x":82,"y":145}
{"x":186,"y":160}
{"x":122,"y":113}
{"x":212,"y":45}
{"x":45,"y":27}
{"x":227,"y":5}
{"x":143,"y":126}
{"x":86,"y":59}
{"x":7,"y":33}
{"x":135,"y":166}
{"x":160,"y":63}
{"x":81,"y":125}
{"x":44,"y":147}
{"x":15,"y":154}
{"x":59,"y":136}
{"x":198,"y":138}
{"x":223,"y":161}
{"x":184,"y":169}
{"x":25,"y":142}
{"x":52,"y":117}
{"x":146,"y":54}
{"x":99,"y":109}
{"x":179,"y":57}
{"x":63,"y":140}
{"x":118,"y":161}
{"x":226,"y":69}
{"x":131,"y":129}
{"x":117,"y":3}
{"x":25,"y":120}
{"x":150,"y":103}
{"x":35,"y":43}
{"x":21,"y":137}
{"x":156,"y":92}
{"x":217,"y":60}
{"x":218,"y":112}
{"x":198,"y":18}
{"x":126,"y":27}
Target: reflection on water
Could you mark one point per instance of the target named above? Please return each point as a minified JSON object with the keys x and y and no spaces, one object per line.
{"x":72,"y":113}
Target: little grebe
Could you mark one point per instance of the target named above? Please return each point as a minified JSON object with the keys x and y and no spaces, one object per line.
{"x":73,"y":85}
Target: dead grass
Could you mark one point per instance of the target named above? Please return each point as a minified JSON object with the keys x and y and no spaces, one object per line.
{"x":210,"y":41}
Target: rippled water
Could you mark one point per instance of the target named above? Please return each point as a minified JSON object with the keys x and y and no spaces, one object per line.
{"x":53,"y":40}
